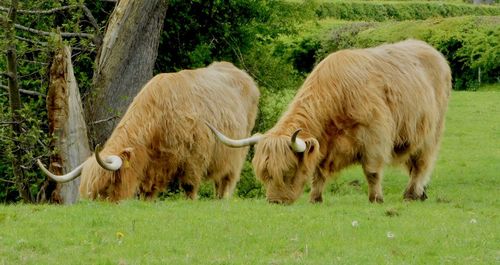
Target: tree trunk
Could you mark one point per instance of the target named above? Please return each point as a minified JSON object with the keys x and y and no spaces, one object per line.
{"x":15,"y":105}
{"x":478,"y":2}
{"x":66,"y":125}
{"x":125,"y":62}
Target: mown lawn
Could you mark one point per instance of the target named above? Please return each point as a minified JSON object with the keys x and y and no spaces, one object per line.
{"x":458,"y":224}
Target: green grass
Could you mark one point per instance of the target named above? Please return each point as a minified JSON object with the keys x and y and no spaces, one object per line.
{"x":458,"y":224}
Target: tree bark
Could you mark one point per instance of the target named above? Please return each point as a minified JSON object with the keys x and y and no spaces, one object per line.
{"x":125,"y":62}
{"x":15,"y":105}
{"x":478,"y":2}
{"x":66,"y":125}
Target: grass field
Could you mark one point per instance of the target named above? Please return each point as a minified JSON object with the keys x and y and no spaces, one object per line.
{"x":458,"y":224}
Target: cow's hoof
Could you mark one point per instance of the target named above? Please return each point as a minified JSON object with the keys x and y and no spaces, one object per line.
{"x":376,"y":198}
{"x":411,"y":196}
{"x":318,"y":199}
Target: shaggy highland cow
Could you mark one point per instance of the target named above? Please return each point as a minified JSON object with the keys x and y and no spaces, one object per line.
{"x":162,"y":136}
{"x":373,"y":106}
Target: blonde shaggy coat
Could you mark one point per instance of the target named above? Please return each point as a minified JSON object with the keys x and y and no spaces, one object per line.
{"x":162,"y":135}
{"x":371,"y":106}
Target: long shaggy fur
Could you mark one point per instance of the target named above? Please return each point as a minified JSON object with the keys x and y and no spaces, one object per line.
{"x":371,"y":106}
{"x":162,"y":135}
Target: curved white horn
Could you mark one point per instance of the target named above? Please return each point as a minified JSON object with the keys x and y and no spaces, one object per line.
{"x":62,"y":178}
{"x":112,"y":162}
{"x":234,"y":143}
{"x":298,"y":145}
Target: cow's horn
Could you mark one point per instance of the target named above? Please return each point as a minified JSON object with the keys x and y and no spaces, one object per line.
{"x":62,"y":178}
{"x":234,"y":143}
{"x":112,"y":162}
{"x":298,"y":145}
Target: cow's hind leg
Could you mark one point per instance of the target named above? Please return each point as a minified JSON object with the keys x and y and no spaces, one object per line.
{"x":419,"y":166}
{"x":225,"y":186}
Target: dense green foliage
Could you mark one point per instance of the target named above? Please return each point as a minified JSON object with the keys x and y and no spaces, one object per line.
{"x":196,"y":33}
{"x":458,"y":224}
{"x":34,"y":55}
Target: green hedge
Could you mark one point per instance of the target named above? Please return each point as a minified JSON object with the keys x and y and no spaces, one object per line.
{"x":382,"y":11}
{"x":470,"y":44}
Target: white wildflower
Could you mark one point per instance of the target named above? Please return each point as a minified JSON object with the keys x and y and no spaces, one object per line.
{"x":390,"y":235}
{"x":355,"y":223}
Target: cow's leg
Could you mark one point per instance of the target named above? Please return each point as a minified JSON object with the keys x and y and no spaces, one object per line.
{"x":190,"y":182}
{"x":318,"y":184}
{"x":373,"y":173}
{"x":419,"y":166}
{"x":225,"y":186}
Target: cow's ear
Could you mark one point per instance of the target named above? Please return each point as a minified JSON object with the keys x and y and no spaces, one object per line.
{"x":312,"y":146}
{"x":126,"y":154}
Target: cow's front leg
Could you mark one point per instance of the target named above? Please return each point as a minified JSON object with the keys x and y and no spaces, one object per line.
{"x":318,"y":184}
{"x":190,"y":182}
{"x":374,"y":178}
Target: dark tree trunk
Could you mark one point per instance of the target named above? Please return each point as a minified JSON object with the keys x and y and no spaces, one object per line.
{"x":125,"y":62}
{"x":20,"y":180}
{"x":478,"y":2}
{"x":67,"y":125}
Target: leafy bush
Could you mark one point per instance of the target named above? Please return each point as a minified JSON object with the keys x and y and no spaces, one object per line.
{"x":248,"y":186}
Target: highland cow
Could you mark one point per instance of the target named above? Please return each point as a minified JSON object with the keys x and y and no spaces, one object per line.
{"x":375,"y":106}
{"x":162,"y":137}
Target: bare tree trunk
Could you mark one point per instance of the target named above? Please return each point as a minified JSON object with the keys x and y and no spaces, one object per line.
{"x":478,"y":2}
{"x":66,"y":124}
{"x":15,"y":105}
{"x":125,"y":62}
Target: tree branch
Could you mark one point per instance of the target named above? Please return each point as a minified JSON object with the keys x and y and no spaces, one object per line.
{"x":46,"y":33}
{"x":32,"y":41}
{"x":8,"y":181}
{"x":91,"y":18}
{"x":8,"y":122}
{"x":87,"y":12}
{"x":6,"y":74}
{"x":104,"y":120}
{"x":26,"y":92}
{"x":32,"y":93}
{"x":48,"y":11}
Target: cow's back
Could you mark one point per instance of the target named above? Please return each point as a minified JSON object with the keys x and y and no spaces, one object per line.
{"x":220,"y":94}
{"x":397,"y":91}
{"x":416,"y":87}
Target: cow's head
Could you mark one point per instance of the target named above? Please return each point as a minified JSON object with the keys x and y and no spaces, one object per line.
{"x":281,"y":162}
{"x":101,"y":177}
